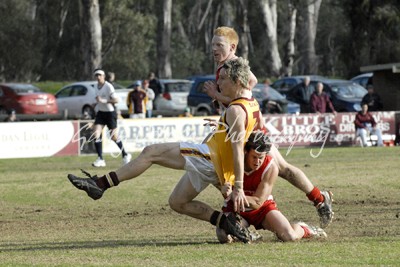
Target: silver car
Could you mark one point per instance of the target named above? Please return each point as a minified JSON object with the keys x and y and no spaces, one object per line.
{"x":172,"y":100}
{"x":78,"y":99}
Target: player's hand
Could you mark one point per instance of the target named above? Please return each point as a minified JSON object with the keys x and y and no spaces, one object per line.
{"x":210,"y":122}
{"x":226,"y":190}
{"x":210,"y":88}
{"x":239,"y":200}
{"x":101,"y":100}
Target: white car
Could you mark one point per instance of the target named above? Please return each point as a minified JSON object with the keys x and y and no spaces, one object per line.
{"x":77,"y":99}
{"x":172,"y":101}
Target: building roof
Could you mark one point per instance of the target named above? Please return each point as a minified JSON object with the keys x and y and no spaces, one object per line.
{"x":395,"y":67}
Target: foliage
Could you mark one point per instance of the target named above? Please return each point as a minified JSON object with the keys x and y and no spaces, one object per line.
{"x":45,"y":221}
{"x":40,"y":40}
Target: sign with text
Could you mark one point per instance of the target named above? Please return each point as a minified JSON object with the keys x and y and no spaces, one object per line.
{"x":321,"y":130}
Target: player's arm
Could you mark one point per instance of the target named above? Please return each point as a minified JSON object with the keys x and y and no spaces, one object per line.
{"x":252,"y":80}
{"x":210,"y":88}
{"x":264,"y":189}
{"x":235,"y":117}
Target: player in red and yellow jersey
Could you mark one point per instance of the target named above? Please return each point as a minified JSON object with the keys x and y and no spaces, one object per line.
{"x":200,"y":161}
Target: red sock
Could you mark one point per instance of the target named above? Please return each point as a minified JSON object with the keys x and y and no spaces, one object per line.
{"x":315,"y":196}
{"x":306,"y":232}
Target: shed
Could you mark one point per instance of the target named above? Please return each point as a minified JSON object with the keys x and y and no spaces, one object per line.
{"x":386,"y":81}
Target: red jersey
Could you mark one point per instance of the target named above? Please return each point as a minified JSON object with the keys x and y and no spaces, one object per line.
{"x":251,"y":182}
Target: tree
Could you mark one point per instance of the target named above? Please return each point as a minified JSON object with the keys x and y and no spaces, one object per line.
{"x":269,"y":15}
{"x":164,"y":41}
{"x":290,"y":46}
{"x":91,"y":37}
{"x":307,"y":34}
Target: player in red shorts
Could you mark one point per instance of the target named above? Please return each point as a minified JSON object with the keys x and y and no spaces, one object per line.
{"x":260,"y":175}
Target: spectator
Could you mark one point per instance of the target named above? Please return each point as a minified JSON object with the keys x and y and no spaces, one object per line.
{"x":110,"y":77}
{"x":149,"y":98}
{"x":372,"y":99}
{"x":135,"y":101}
{"x":365,"y":125}
{"x":186,"y":113}
{"x":12,"y":116}
{"x":319,"y":101}
{"x":303,"y":94}
{"x":155,"y":84}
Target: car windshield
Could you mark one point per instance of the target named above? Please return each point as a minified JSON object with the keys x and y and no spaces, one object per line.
{"x":118,"y":86}
{"x":349,"y":90}
{"x":24,"y":88}
{"x":178,"y":87}
{"x":259,"y":91}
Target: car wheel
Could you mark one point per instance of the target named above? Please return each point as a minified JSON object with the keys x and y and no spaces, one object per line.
{"x":88,"y":112}
{"x":203,"y":112}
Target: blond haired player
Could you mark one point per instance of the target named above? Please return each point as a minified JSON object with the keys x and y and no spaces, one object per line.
{"x":208,"y":163}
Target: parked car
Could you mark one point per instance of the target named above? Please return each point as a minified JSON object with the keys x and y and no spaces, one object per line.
{"x":345,"y":95}
{"x":199,"y":102}
{"x":172,"y":100}
{"x":363,"y":79}
{"x":79,"y":98}
{"x":276,"y":101}
{"x":285,"y":84}
{"x":26,"y":99}
{"x":202,"y":105}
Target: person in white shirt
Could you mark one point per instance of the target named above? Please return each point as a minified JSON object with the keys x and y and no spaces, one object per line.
{"x":106,"y":115}
{"x":149,"y":98}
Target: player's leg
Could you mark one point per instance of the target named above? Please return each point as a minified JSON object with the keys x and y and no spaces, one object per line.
{"x":291,"y":173}
{"x":277,"y":223}
{"x":182,"y":201}
{"x":322,"y":199}
{"x":98,"y":144}
{"x":167,"y":155}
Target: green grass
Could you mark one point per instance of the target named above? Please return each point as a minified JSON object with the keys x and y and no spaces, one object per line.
{"x":45,"y":221}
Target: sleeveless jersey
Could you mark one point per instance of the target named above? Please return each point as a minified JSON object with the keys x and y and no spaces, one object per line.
{"x":220,"y":142}
{"x":252,"y":180}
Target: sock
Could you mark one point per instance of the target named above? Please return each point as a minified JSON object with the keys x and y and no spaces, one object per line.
{"x":306,"y":232}
{"x":99,"y":148}
{"x":217,"y":219}
{"x":315,"y":196}
{"x":107,"y":181}
{"x":121,"y":147}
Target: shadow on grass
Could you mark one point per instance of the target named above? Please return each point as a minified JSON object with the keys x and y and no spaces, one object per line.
{"x":16,"y":247}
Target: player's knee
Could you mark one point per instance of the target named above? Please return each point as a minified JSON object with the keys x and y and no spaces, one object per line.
{"x":175,"y":204}
{"x":288,"y":236}
{"x":149,"y":151}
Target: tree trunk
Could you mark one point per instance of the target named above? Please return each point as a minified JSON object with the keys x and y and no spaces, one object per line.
{"x":91,"y":39}
{"x":164,"y":41}
{"x":311,"y":20}
{"x":244,"y":32}
{"x":268,"y":9}
{"x":289,"y":48}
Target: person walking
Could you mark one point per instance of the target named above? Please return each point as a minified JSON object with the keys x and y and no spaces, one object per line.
{"x":106,"y":116}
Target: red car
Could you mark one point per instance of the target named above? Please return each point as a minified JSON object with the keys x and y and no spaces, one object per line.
{"x":26,"y":99}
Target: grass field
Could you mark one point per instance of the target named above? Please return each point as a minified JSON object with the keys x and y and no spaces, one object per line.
{"x":45,"y":221}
